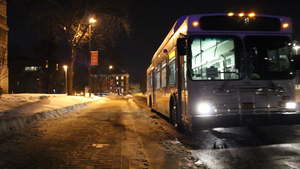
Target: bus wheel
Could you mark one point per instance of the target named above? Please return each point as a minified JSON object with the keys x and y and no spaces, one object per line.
{"x":173,"y":115}
{"x":150,"y":105}
{"x":150,"y":102}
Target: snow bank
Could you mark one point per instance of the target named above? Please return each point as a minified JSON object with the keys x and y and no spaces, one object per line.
{"x":19,"y":110}
{"x":116,"y":96}
{"x":176,"y":150}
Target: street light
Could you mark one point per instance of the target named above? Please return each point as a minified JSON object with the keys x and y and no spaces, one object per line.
{"x":91,"y":21}
{"x":110,"y":67}
{"x":66,"y":77}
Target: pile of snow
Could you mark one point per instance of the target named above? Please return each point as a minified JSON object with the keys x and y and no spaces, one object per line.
{"x":176,"y":150}
{"x":114,"y":96}
{"x":19,"y":110}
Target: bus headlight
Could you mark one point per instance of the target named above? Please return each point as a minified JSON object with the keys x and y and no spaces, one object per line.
{"x":290,"y":105}
{"x":205,"y":108}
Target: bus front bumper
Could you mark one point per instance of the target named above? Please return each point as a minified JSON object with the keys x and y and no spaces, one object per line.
{"x":245,"y":120}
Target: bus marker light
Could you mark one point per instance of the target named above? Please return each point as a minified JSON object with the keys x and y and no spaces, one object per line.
{"x":230,"y":14}
{"x":251,"y":14}
{"x":285,"y":25}
{"x":195,"y":23}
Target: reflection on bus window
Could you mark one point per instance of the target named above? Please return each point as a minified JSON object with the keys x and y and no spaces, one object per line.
{"x":163,"y":77}
{"x":157,"y":77}
{"x":172,"y":74}
{"x":216,"y":58}
{"x":268,"y":57}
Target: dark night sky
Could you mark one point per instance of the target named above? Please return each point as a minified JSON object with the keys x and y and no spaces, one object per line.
{"x":152,"y":20}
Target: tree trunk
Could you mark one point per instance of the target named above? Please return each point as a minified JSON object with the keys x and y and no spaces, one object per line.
{"x":95,"y":85}
{"x":101,"y":81}
{"x":71,"y":71}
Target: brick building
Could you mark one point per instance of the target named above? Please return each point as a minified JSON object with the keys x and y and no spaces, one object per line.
{"x":115,"y":83}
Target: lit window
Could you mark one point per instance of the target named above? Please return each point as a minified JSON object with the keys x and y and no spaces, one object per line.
{"x":122,"y":83}
{"x":122,"y":77}
{"x":31,"y":68}
{"x":117,"y":77}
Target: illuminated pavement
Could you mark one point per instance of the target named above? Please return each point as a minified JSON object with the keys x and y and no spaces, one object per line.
{"x":93,"y":139}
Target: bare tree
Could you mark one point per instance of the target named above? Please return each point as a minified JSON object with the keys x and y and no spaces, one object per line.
{"x":70,"y":20}
{"x":3,"y":2}
{"x":3,"y":65}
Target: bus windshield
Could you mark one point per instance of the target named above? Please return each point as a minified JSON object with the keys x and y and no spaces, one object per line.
{"x":216,"y":58}
{"x":268,"y":57}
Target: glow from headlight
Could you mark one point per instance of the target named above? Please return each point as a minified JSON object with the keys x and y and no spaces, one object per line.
{"x":205,"y":108}
{"x":290,"y":105}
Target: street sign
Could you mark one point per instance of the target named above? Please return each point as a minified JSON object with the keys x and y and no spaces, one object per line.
{"x":94,"y":58}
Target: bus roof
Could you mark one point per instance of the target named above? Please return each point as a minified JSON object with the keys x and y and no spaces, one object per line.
{"x":187,"y":20}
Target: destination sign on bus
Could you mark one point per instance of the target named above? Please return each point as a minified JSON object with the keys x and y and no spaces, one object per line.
{"x":238,"y":23}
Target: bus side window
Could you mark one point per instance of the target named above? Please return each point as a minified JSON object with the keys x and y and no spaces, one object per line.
{"x":164,"y":74}
{"x":150,"y":79}
{"x":172,"y":73}
{"x":157,"y":77}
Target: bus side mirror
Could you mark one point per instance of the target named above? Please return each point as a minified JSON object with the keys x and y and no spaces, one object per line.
{"x":296,"y":62}
{"x":181,"y":46}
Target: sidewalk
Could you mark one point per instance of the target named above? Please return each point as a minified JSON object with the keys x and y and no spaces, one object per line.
{"x":20,"y":110}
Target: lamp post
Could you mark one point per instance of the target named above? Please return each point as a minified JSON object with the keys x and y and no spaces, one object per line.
{"x":91,"y":21}
{"x":66,"y":77}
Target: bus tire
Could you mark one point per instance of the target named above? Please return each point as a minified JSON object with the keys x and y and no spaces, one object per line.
{"x":174,"y":115}
{"x":150,"y":102}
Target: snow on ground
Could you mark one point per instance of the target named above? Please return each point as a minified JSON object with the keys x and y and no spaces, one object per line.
{"x":20,"y":110}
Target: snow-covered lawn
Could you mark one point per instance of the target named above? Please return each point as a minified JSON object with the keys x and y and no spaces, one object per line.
{"x":19,"y":110}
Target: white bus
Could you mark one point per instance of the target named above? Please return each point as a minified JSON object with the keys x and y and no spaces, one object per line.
{"x":222,"y":70}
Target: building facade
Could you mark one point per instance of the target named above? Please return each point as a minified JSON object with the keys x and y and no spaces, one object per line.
{"x":3,"y":48}
{"x":36,"y":76}
{"x":115,"y":83}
